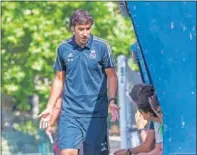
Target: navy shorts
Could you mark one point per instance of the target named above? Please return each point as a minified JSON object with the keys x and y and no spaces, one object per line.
{"x":91,"y":132}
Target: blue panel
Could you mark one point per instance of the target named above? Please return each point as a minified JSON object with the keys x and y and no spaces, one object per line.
{"x":135,"y":48}
{"x":166,"y":33}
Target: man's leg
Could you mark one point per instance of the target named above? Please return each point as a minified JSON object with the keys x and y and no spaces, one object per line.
{"x":73,"y":151}
{"x":69,"y":152}
{"x":95,"y":136}
{"x":69,"y":136}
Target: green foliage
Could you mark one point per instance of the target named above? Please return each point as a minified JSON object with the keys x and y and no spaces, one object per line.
{"x":132,"y":65}
{"x":28,"y":127}
{"x":31,"y":32}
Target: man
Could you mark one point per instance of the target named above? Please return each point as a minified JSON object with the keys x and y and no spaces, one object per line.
{"x":147,"y":134}
{"x":84,"y":65}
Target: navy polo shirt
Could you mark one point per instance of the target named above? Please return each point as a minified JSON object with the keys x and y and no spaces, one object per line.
{"x":85,"y":85}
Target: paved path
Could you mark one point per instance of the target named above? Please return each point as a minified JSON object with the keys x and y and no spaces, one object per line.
{"x":114,"y":142}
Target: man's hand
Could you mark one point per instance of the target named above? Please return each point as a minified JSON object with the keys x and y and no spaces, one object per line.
{"x":114,"y":110}
{"x":50,"y":130}
{"x":45,"y":118}
{"x":121,"y":152}
{"x":153,"y":102}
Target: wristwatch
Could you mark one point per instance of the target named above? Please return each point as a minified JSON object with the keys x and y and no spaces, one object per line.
{"x":128,"y":152}
{"x":112,"y":99}
{"x":140,"y":130}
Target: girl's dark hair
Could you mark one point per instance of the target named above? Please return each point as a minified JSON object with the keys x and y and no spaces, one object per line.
{"x":143,"y":103}
{"x":80,"y":17}
{"x":134,"y":92}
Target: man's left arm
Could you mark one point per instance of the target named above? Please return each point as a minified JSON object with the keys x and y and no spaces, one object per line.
{"x":113,"y":86}
{"x":108,"y":64}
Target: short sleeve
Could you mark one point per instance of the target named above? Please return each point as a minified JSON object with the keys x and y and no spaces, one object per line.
{"x":107,"y":58}
{"x":150,"y":125}
{"x":158,"y":133}
{"x":59,"y":63}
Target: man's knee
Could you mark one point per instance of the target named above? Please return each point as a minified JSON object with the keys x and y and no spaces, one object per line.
{"x":69,"y":152}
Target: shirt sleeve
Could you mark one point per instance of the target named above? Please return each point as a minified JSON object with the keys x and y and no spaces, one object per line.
{"x":107,"y":59}
{"x":150,"y":125}
{"x":59,"y":62}
{"x":158,"y":133}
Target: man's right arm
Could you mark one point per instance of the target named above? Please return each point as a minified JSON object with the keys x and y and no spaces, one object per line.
{"x":56,"y":112}
{"x":56,"y":89}
{"x":54,"y":117}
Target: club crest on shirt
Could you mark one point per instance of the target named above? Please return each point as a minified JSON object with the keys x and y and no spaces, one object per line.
{"x":70,"y":57}
{"x":93,"y":54}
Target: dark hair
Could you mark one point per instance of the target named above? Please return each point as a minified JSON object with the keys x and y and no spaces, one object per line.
{"x":143,"y":103}
{"x":80,"y":17}
{"x":134,"y":92}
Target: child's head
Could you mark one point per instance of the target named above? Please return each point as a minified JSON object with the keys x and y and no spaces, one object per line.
{"x":141,"y":94}
{"x":134,"y":92}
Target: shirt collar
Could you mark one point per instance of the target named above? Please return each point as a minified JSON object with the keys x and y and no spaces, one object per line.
{"x":88,"y":44}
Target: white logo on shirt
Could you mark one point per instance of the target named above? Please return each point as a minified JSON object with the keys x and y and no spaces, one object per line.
{"x":93,"y":54}
{"x":103,"y":146}
{"x":70,"y":57}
